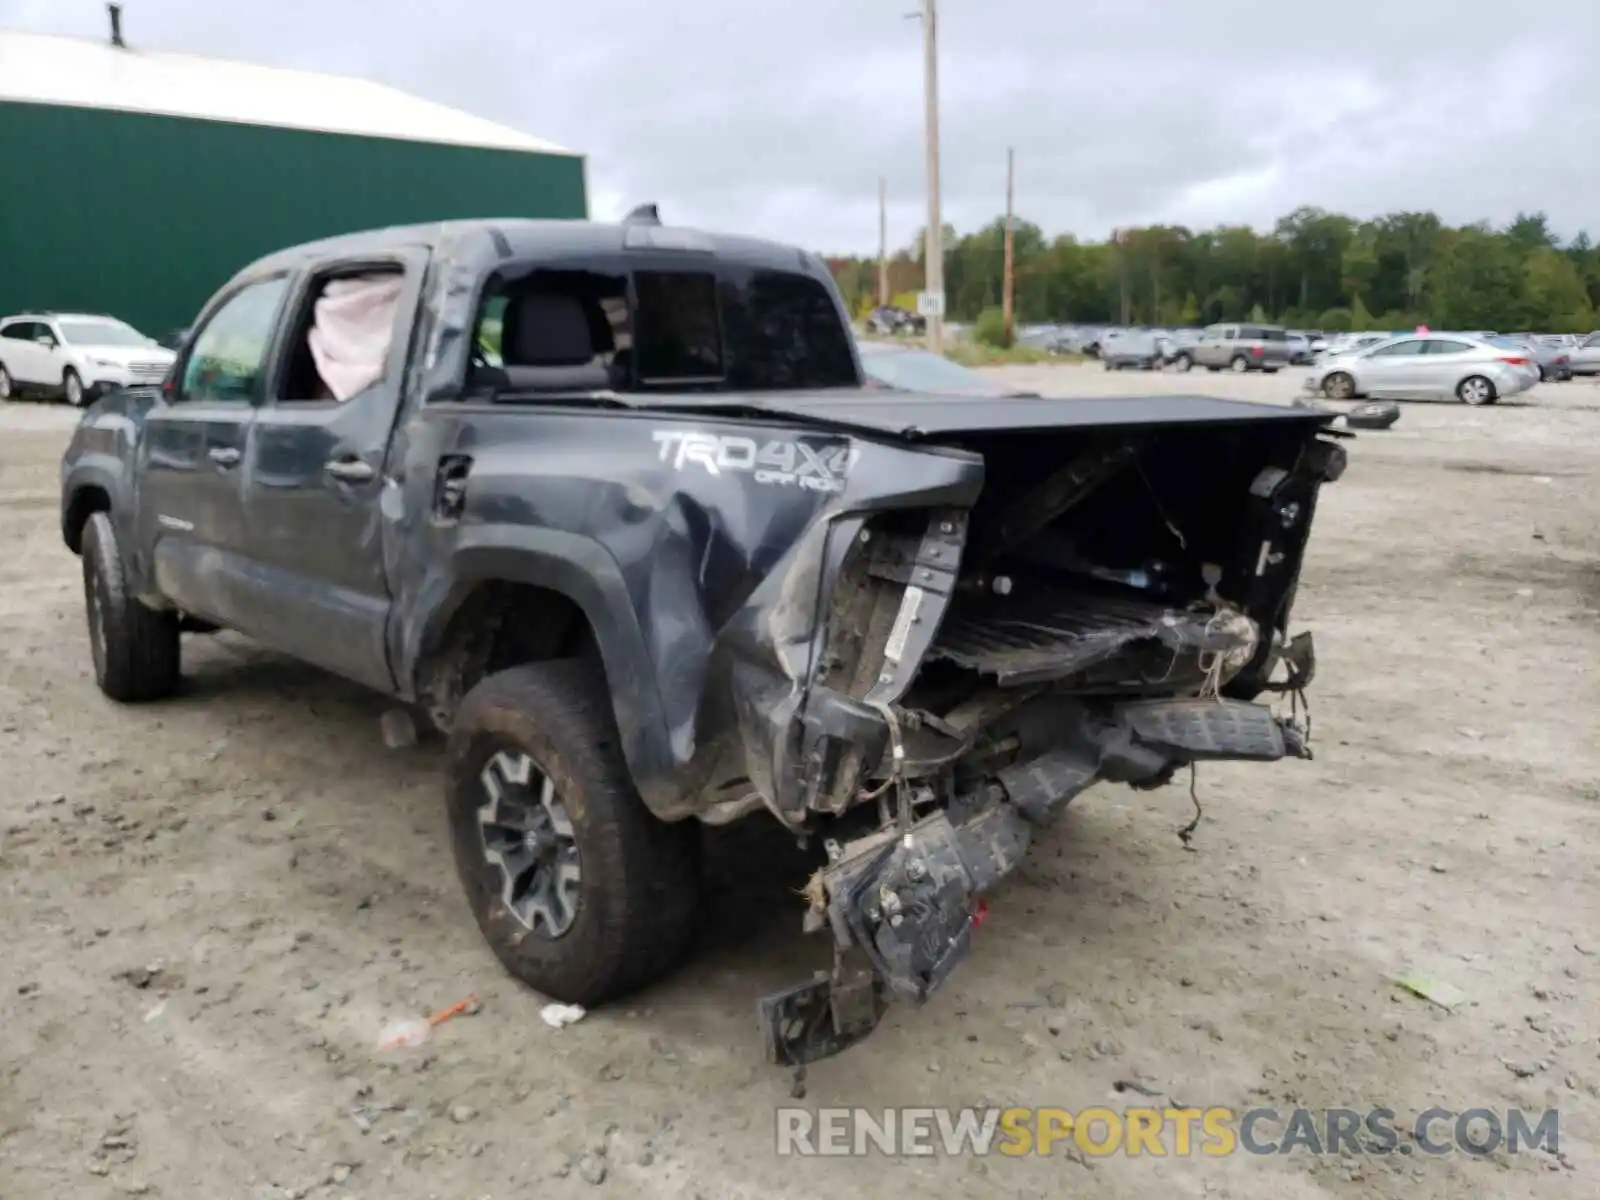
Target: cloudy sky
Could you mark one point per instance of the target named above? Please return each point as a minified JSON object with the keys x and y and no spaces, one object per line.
{"x":778,"y":119}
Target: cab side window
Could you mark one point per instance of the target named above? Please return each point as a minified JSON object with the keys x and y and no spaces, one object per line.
{"x":226,"y":355}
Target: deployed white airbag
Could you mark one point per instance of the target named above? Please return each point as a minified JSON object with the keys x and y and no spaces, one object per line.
{"x":351,"y":331}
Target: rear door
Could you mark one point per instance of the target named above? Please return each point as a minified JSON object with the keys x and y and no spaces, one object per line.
{"x":24,"y":359}
{"x":1445,"y":363}
{"x":189,"y":510}
{"x":315,"y":480}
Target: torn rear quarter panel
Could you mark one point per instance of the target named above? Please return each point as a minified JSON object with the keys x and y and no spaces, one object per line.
{"x":700,"y":552}
{"x":759,"y":591}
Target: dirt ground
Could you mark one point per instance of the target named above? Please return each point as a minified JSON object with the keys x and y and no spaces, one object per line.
{"x":209,"y":908}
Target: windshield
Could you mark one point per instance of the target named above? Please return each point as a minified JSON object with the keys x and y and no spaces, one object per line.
{"x":920,"y":371}
{"x":101,"y":333}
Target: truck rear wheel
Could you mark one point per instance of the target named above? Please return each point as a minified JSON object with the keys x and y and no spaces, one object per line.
{"x":136,"y":649}
{"x":579,"y":890}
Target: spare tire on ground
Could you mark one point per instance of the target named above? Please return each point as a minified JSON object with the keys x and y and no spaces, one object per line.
{"x":1375,"y":414}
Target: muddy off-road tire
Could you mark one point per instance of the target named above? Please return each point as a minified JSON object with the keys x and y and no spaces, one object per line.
{"x":136,"y":649}
{"x":580,"y":892}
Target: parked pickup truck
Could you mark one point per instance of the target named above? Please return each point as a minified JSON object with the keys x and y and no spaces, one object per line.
{"x":611,"y":506}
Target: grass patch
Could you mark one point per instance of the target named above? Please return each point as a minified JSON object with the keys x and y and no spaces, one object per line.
{"x":971,"y":353}
{"x":976,"y":354}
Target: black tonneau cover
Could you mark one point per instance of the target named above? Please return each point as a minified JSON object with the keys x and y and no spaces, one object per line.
{"x":918,"y":415}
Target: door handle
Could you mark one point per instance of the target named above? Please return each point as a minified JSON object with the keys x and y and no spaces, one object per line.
{"x":349,"y":470}
{"x":225,"y":456}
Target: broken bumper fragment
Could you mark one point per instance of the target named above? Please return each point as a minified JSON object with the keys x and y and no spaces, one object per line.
{"x":902,"y":902}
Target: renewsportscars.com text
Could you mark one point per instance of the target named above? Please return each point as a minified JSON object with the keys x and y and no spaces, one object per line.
{"x":1214,"y":1132}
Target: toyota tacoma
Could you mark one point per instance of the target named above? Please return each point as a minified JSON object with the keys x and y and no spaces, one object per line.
{"x":612,"y":506}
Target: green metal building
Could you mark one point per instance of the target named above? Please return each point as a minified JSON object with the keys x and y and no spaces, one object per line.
{"x":137,"y":181}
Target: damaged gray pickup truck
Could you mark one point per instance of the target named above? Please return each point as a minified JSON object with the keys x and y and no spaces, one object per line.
{"x":612,"y":507}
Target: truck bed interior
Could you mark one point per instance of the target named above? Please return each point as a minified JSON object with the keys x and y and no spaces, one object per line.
{"x":1096,"y":566}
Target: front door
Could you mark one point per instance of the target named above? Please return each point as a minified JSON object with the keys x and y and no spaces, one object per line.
{"x":1396,"y":369}
{"x":189,"y":509}
{"x":315,"y":478}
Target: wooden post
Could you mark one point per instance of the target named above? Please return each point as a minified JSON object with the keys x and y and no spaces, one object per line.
{"x":933,"y":238}
{"x":1008,"y":285}
{"x":883,"y":242}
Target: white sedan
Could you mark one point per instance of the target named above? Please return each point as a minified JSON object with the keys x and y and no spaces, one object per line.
{"x":1427,"y":367}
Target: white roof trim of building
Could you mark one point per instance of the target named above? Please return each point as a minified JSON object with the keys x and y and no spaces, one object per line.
{"x":44,"y":69}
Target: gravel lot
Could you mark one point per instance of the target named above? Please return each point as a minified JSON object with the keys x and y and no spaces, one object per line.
{"x":211,"y":907}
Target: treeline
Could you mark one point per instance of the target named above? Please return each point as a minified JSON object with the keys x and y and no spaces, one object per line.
{"x":1315,"y":269}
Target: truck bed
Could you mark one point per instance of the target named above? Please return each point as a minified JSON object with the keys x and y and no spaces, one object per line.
{"x":917,"y":415}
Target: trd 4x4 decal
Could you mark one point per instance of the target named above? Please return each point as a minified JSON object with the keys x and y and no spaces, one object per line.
{"x":784,"y":463}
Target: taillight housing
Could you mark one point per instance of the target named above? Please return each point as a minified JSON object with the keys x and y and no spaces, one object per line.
{"x":1256,"y":350}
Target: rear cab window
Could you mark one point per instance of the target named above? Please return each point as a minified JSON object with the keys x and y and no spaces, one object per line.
{"x":659,"y":325}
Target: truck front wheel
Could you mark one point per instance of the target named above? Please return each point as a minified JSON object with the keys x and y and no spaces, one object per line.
{"x":135,"y":648}
{"x":580,"y":891}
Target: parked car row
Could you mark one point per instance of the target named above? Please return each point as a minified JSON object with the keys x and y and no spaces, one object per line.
{"x":1094,"y":340}
{"x":1122,"y":347}
{"x":75,"y":356}
{"x":909,"y":369}
{"x":886,"y":320}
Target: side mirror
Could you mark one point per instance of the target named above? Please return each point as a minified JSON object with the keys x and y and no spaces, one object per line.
{"x":45,"y":340}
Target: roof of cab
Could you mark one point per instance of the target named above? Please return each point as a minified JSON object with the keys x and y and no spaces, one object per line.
{"x":513,"y":238}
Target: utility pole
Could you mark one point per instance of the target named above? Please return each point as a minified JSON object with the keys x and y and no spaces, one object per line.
{"x":1008,"y":283}
{"x":883,"y":242}
{"x":933,"y":238}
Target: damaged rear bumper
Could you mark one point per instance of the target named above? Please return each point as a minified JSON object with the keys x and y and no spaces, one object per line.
{"x":902,"y":903}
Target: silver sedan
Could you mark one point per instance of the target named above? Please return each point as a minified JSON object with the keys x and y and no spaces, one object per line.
{"x":1431,"y":367}
{"x":1586,"y":356}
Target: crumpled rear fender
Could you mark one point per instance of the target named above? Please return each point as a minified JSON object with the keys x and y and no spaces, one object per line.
{"x":703,"y":573}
